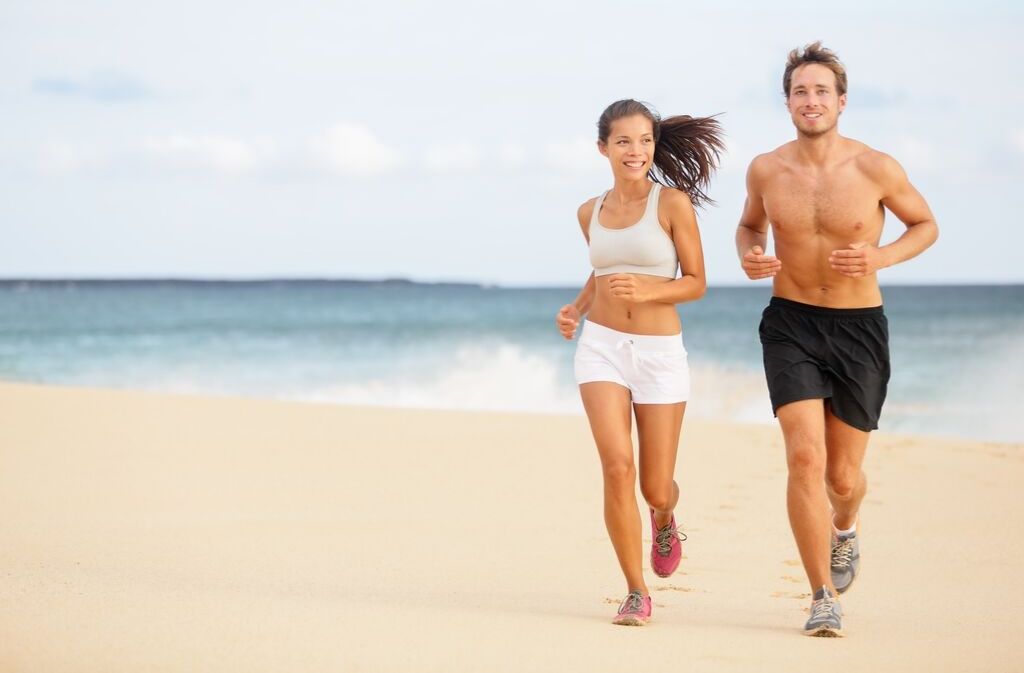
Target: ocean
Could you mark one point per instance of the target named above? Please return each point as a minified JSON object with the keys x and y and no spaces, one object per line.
{"x":957,"y":351}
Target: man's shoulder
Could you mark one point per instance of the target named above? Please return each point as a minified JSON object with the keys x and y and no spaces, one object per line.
{"x":875,"y":164}
{"x":780,"y":153}
{"x":769,"y":162}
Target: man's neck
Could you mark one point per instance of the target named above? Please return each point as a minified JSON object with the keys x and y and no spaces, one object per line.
{"x":818,"y":151}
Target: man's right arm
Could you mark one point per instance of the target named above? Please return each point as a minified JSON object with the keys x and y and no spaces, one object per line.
{"x":752,"y":232}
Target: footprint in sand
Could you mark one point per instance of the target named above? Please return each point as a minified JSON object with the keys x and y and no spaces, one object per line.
{"x":673,"y":587}
{"x":790,"y":578}
{"x":791,"y":562}
{"x":1002,"y":453}
{"x":790,"y":594}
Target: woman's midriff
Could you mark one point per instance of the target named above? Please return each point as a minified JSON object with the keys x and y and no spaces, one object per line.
{"x":652,"y":318}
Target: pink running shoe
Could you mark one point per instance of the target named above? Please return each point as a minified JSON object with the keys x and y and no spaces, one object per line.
{"x":666,"y":550}
{"x":634,"y":611}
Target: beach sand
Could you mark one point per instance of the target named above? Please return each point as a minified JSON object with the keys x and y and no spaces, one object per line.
{"x":146,"y":532}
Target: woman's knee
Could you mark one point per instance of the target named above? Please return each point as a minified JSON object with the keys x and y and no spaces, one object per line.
{"x":619,"y":474}
{"x":658,"y":494}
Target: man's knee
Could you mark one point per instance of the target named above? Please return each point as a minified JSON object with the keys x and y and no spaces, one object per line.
{"x":842,"y":481}
{"x":804,"y":431}
{"x":805,"y":456}
{"x":806,"y":465}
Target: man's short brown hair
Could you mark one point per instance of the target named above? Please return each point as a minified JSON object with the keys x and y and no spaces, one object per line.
{"x":814,"y":53}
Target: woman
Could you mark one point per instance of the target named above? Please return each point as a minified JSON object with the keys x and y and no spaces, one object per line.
{"x":630,"y":352}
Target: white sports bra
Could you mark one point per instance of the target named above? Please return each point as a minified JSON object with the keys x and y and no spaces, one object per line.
{"x":643,"y":247}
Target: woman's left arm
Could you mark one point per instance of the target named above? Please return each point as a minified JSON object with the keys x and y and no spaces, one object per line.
{"x":678,"y":210}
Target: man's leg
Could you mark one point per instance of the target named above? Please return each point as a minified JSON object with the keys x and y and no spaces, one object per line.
{"x":846,"y":486}
{"x":844,"y":475}
{"x":803,"y":427}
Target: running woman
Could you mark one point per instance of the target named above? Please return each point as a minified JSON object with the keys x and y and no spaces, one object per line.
{"x":630,"y":355}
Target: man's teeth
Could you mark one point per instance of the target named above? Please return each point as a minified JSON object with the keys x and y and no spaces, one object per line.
{"x":812,"y":115}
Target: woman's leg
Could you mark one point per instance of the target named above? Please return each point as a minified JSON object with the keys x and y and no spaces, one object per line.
{"x":608,"y":410}
{"x":658,"y":427}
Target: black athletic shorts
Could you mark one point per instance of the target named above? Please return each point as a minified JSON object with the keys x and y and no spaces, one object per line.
{"x":835,"y":354}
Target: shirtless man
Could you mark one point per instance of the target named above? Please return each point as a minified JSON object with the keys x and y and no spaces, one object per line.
{"x":824,"y":334}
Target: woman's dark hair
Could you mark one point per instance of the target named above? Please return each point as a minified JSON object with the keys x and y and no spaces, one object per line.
{"x":686,"y":151}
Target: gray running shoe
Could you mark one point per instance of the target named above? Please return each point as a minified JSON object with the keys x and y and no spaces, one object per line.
{"x":845,"y":561}
{"x":826,"y":620}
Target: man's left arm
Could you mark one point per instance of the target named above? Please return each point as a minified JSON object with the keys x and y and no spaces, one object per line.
{"x":906,"y":203}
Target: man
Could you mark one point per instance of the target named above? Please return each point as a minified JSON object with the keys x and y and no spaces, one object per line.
{"x":824,"y":334}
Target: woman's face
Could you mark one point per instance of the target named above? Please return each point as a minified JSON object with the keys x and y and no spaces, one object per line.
{"x":630,"y":147}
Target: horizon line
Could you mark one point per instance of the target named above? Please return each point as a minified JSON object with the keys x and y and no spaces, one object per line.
{"x":265,"y":280}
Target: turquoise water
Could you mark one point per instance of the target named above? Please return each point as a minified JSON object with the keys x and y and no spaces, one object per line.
{"x":958,"y":352}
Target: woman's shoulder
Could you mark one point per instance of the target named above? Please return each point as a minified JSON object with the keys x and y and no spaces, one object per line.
{"x":675,"y":207}
{"x":672,"y":197}
{"x":586,"y":211}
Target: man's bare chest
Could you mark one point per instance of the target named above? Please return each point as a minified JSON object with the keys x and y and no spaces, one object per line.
{"x":843,"y":204}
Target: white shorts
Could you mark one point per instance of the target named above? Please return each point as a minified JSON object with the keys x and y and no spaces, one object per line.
{"x":654,"y":368}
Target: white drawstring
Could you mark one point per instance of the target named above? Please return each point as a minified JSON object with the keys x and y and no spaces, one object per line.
{"x":632,"y":351}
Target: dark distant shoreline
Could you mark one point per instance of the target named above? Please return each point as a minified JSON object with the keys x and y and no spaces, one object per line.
{"x":7,"y":283}
{"x":255,"y":282}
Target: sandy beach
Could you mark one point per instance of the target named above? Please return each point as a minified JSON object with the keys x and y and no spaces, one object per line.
{"x":147,"y":532}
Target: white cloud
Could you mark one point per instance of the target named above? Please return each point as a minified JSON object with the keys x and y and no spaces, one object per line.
{"x":58,"y":158}
{"x":917,"y":156}
{"x":344,"y":148}
{"x":351,"y":149}
{"x":1018,"y":141}
{"x":735,"y":155}
{"x":223,"y":155}
{"x":512,"y":154}
{"x":577,"y":156}
{"x":451,"y":158}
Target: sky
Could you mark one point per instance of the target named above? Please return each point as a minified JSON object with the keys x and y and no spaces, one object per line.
{"x":454,"y":141}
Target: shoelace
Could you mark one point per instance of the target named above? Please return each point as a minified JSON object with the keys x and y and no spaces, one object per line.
{"x":822,"y":608}
{"x":634,"y":602}
{"x":842,"y":554}
{"x":664,"y":539}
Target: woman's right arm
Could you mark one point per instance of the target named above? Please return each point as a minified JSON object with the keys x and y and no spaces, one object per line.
{"x":569,"y":316}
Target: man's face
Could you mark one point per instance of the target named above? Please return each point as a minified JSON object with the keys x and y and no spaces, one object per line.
{"x":814,"y":104}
